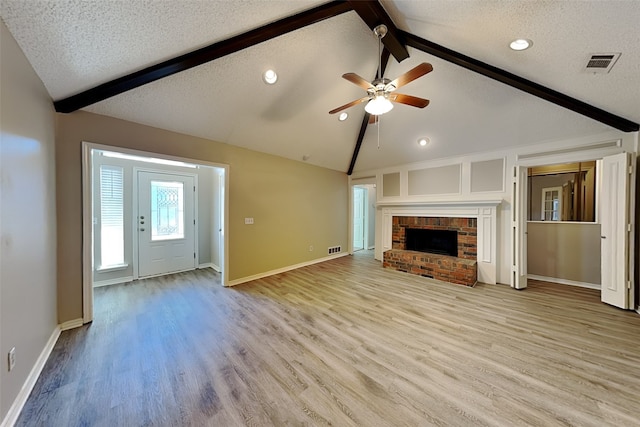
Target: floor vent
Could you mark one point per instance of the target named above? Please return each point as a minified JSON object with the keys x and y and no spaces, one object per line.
{"x":335,"y":250}
{"x":601,"y":62}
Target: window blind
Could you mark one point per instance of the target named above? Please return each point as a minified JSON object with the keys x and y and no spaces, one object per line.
{"x":111,"y":215}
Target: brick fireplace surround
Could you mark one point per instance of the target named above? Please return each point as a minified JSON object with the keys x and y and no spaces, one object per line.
{"x":460,"y":270}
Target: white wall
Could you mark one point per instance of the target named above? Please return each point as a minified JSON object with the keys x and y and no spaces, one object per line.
{"x":207,"y":178}
{"x":28,"y":318}
{"x":551,"y":152}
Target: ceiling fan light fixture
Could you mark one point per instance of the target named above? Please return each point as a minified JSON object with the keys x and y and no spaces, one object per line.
{"x":520,"y":44}
{"x":378,"y":105}
{"x":270,"y":77}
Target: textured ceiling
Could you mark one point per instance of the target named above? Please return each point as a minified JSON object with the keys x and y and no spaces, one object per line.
{"x":76,"y":45}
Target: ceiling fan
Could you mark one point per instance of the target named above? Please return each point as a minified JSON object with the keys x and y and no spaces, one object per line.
{"x":380,"y":92}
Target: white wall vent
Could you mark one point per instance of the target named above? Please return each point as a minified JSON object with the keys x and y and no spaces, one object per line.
{"x":601,"y":62}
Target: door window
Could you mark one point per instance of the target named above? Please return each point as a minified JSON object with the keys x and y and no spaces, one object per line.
{"x":167,"y":210}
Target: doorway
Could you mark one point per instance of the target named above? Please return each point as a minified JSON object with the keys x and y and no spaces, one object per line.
{"x":363,"y":221}
{"x":604,"y":228}
{"x":146,"y":215}
{"x":166,"y":222}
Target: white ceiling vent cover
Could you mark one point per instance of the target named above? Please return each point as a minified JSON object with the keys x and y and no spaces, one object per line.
{"x":601,"y":62}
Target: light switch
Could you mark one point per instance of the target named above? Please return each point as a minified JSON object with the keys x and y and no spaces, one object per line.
{"x":248,"y":220}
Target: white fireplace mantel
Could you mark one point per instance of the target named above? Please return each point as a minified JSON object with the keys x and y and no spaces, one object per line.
{"x":485,"y":211}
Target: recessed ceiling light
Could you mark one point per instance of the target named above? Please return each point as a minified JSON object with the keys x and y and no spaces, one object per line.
{"x":270,"y":77}
{"x":521,"y":44}
{"x":343,"y":116}
{"x":423,"y":141}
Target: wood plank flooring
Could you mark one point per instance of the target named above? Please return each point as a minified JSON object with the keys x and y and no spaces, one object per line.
{"x":342,"y":343}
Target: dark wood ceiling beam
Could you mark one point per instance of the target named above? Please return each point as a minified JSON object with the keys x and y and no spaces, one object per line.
{"x":373,"y":14}
{"x":365,"y":120}
{"x":202,"y":56}
{"x":518,"y":82}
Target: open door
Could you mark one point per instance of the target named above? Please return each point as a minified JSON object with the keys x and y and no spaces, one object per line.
{"x":519,"y":228}
{"x":616,"y":229}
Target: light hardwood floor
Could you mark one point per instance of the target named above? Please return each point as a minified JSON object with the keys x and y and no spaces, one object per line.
{"x":342,"y":343}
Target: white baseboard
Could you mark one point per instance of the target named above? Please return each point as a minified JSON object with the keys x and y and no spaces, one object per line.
{"x":564,"y":281}
{"x":15,"y":409}
{"x":284,"y":269}
{"x":113,"y":281}
{"x":209,"y":265}
{"x":71,"y":324}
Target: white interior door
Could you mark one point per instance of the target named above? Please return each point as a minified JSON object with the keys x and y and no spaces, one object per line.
{"x":519,"y":228}
{"x":166,"y":223}
{"x":358,"y":218}
{"x":616,"y":230}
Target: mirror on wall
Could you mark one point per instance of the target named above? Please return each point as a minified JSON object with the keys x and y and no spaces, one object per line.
{"x":565,"y":192}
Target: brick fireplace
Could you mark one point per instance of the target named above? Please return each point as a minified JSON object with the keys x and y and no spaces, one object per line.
{"x":462,"y":215}
{"x":460,"y":269}
{"x":467,"y":229}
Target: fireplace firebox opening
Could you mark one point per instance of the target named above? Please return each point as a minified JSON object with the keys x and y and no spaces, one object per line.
{"x":443,"y":242}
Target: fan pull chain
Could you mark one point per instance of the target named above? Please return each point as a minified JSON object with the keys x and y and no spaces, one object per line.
{"x":378,"y":122}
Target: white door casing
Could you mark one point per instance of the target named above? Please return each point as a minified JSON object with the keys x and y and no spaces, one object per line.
{"x":165,"y":223}
{"x":358,"y":217}
{"x":519,"y":228}
{"x":616,"y":230}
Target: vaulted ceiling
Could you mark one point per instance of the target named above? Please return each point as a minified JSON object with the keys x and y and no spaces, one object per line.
{"x":76,"y":45}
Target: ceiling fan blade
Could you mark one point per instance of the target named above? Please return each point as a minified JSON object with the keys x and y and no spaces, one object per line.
{"x":410,"y":76}
{"x":414,"y":101}
{"x":356,"y":79}
{"x":350,"y":104}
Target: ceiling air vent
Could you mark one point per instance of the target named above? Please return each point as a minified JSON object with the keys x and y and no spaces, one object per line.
{"x":601,"y":62}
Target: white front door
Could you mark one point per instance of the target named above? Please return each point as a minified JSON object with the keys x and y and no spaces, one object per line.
{"x":165,"y":223}
{"x":616,"y":230}
{"x":519,"y":228}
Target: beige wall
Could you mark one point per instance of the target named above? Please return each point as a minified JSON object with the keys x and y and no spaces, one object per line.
{"x":564,"y":250}
{"x":27,"y":218}
{"x":294,"y":204}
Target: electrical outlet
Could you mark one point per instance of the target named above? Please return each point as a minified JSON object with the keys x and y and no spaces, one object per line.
{"x":12,"y":358}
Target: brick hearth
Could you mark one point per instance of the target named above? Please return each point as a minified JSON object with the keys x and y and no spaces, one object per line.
{"x":461,"y":269}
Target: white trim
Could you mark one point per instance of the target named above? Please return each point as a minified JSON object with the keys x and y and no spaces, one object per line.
{"x":20,"y":400}
{"x":571,"y":151}
{"x":284,"y":269}
{"x":115,"y":281}
{"x":463,"y":203}
{"x":564,"y":281}
{"x":113,"y":268}
{"x":208,"y":265}
{"x":71,"y":324}
{"x":87,"y":233}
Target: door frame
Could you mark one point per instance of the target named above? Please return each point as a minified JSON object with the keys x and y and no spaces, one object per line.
{"x":361,"y":182}
{"x":136,"y":210}
{"x":87,"y":215}
{"x":364,"y":196}
{"x":573,"y":156}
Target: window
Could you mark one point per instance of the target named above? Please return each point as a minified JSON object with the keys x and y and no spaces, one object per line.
{"x":167,"y":210}
{"x":111,"y":216}
{"x":551,"y":203}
